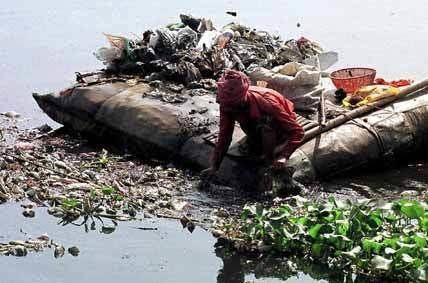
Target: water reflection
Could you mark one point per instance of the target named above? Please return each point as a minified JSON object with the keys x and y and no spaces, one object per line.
{"x":237,"y":268}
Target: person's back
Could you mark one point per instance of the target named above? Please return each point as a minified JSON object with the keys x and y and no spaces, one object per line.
{"x":265,"y":115}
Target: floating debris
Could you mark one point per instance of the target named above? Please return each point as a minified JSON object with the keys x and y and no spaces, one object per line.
{"x":11,"y":114}
{"x":94,"y":184}
{"x":29,"y":213}
{"x":74,"y":251}
{"x":59,"y":251}
{"x":18,"y":250}
{"x":232,"y":13}
{"x":22,"y":248}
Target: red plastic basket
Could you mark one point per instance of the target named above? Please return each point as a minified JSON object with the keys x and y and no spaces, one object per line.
{"x":351,"y":79}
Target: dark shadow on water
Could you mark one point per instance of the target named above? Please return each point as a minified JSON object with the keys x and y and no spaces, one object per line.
{"x":237,"y":268}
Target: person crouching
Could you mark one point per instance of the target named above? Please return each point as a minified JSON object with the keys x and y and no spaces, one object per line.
{"x":267,"y":118}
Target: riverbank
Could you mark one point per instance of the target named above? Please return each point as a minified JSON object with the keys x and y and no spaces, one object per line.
{"x":92,"y":185}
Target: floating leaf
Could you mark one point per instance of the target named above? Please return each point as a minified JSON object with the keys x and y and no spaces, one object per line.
{"x":70,"y":203}
{"x":407,"y":258}
{"x":389,"y":237}
{"x":424,"y":223}
{"x":107,"y":190}
{"x":353,"y":253}
{"x":299,"y":201}
{"x":93,"y":194}
{"x":342,"y":227}
{"x":375,"y":220}
{"x":118,"y":197}
{"x":290,"y":235}
{"x":385,"y":205}
{"x":392,"y":243}
{"x":108,"y":229}
{"x":419,"y":240}
{"x":317,"y":249}
{"x":371,"y":246}
{"x":314,"y":230}
{"x":389,"y":251}
{"x":411,"y":209}
{"x":381,"y":263}
{"x":422,"y":273}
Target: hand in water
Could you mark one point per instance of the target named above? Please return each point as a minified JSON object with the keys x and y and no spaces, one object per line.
{"x":209,"y":173}
{"x":206,"y":176}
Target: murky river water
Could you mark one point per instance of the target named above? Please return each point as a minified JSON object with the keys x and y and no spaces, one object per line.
{"x":44,"y":42}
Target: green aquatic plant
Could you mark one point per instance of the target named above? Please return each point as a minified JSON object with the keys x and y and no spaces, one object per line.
{"x":383,"y":239}
{"x":104,"y":202}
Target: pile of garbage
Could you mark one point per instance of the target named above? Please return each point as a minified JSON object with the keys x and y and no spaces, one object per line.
{"x":74,"y":181}
{"x":194,"y":49}
{"x":193,"y":54}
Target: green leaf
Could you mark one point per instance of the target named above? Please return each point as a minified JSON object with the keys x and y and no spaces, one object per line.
{"x":411,"y":209}
{"x":340,"y":242}
{"x":317,"y":250}
{"x":342,"y":227}
{"x":375,"y":219}
{"x":405,"y":245}
{"x":289,"y":234}
{"x":280,"y":216}
{"x":422,"y":273}
{"x":407,"y":258}
{"x":299,"y":201}
{"x":363,"y":201}
{"x":302,"y":220}
{"x":389,"y":251}
{"x":381,"y":263}
{"x":385,"y":205}
{"x":419,"y":240}
{"x":353,"y":253}
{"x":314,"y":230}
{"x":424,"y":223}
{"x":371,"y":246}
{"x":355,"y":226}
{"x":392,"y":243}
{"x":343,"y":204}
{"x":93,"y":194}
{"x":391,"y":217}
{"x":118,"y":197}
{"x":107,"y":190}
{"x":70,"y":203}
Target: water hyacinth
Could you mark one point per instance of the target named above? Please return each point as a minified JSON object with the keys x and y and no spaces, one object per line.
{"x":382,"y":239}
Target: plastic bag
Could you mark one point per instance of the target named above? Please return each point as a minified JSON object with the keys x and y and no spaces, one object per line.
{"x":291,"y":75}
{"x":117,"y":41}
{"x":207,"y":41}
{"x":186,"y":38}
{"x":108,"y":55}
{"x":301,"y":89}
{"x":122,"y":43}
{"x":292,"y":68}
{"x":164,"y":41}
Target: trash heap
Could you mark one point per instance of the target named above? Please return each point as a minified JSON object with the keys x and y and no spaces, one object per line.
{"x":59,"y":171}
{"x":194,"y":53}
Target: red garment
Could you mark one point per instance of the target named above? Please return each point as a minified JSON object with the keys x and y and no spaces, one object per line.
{"x":398,"y":83}
{"x":232,"y":88}
{"x":260,"y":102}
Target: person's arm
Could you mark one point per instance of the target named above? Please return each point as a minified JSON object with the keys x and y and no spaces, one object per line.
{"x":227,"y":125}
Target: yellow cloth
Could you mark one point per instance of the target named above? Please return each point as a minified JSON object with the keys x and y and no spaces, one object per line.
{"x":371,"y":93}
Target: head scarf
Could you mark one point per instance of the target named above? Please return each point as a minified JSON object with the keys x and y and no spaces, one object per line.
{"x":232,"y":88}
